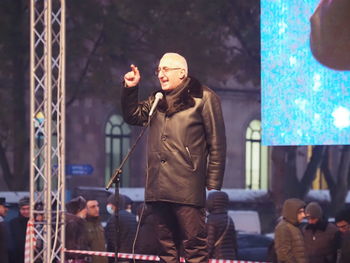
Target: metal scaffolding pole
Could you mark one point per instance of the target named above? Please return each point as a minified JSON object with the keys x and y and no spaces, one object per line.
{"x":47,"y":129}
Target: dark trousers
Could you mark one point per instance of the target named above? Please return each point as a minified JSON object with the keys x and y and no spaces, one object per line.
{"x":176,"y":225}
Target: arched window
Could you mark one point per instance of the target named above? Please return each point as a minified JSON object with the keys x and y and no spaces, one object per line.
{"x":117,"y":134}
{"x":256,"y":156}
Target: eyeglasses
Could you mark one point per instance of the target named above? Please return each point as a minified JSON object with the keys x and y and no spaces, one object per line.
{"x":164,"y":70}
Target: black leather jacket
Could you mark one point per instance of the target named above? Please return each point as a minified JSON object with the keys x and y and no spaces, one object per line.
{"x":186,"y":143}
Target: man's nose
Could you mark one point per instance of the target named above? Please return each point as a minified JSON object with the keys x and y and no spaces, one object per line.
{"x":160,"y":74}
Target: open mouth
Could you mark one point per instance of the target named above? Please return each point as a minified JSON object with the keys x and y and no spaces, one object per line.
{"x":164,"y":82}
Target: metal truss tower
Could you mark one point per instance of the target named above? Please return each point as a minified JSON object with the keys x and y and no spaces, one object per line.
{"x":47,"y":129}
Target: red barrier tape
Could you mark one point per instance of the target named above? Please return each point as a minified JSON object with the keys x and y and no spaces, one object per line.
{"x":148,"y":257}
{"x":30,"y":235}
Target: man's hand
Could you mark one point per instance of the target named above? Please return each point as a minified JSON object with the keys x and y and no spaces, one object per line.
{"x":132,"y":78}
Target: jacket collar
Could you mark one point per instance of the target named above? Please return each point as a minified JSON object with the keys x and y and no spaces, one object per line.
{"x":184,"y":99}
{"x":320,"y":225}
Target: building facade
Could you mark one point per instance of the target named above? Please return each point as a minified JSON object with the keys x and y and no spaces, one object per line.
{"x":98,"y":137}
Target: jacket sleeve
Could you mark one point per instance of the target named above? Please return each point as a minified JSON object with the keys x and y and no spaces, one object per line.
{"x":283,"y":245}
{"x":216,"y":140}
{"x":134,"y":112}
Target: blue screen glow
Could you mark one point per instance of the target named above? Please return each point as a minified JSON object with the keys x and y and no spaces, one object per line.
{"x":303,"y":102}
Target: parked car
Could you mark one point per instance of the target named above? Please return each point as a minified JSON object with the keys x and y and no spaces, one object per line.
{"x":253,"y":247}
{"x":246,"y":221}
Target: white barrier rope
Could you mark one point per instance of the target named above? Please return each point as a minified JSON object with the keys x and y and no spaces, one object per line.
{"x":148,"y":257}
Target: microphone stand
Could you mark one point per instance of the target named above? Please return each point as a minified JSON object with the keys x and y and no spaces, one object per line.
{"x":115,"y":179}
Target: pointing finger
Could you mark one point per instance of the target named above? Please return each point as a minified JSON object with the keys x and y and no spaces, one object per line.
{"x":134,"y":69}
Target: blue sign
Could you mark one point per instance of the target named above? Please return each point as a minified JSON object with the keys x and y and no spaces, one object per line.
{"x":79,"y":169}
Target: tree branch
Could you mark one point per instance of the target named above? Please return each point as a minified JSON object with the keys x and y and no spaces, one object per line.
{"x":5,"y":167}
{"x":310,"y":172}
{"x":86,"y":68}
{"x":340,"y":192}
{"x":326,"y":171}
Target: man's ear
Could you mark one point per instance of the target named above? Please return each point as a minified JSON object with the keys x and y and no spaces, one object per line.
{"x":182,"y":74}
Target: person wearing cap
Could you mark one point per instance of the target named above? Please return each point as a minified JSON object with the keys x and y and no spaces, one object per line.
{"x":127,"y":225}
{"x":127,"y":203}
{"x":18,"y":228}
{"x":186,"y":154}
{"x":289,"y":240}
{"x":319,"y":235}
{"x":342,"y":221}
{"x":4,"y":235}
{"x":3,"y":208}
{"x":75,"y":230}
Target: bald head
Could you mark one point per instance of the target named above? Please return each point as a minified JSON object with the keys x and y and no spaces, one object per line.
{"x":173,"y":60}
{"x":172,"y":71}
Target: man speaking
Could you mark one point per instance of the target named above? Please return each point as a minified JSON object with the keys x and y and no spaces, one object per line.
{"x":186,"y":154}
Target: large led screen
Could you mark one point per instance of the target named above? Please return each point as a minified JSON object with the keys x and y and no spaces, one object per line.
{"x":303,"y":102}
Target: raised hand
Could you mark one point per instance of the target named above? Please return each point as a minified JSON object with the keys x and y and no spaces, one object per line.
{"x":132,"y":78}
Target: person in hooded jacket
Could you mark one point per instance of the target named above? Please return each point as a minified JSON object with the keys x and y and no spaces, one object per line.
{"x":289,"y":240}
{"x":222,"y":238}
{"x":319,"y":235}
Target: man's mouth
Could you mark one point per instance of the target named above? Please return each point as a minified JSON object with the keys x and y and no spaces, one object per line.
{"x":164,"y":82}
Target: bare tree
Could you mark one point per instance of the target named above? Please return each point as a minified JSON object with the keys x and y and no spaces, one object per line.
{"x":220,"y":38}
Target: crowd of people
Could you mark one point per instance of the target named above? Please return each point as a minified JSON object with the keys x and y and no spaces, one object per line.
{"x":186,"y":157}
{"x":136,"y":232}
{"x":303,"y":233}
{"x":84,"y":229}
{"x":317,"y":241}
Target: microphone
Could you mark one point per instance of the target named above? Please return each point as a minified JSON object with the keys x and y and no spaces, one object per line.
{"x":158,"y":97}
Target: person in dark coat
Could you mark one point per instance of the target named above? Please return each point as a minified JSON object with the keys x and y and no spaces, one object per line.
{"x":186,"y":154}
{"x":75,"y":230}
{"x":4,"y":235}
{"x":146,"y":242}
{"x":95,"y":231}
{"x":319,"y":235}
{"x":127,"y":226}
{"x":289,"y":240}
{"x":222,"y":238}
{"x":342,"y":221}
{"x":18,"y":228}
